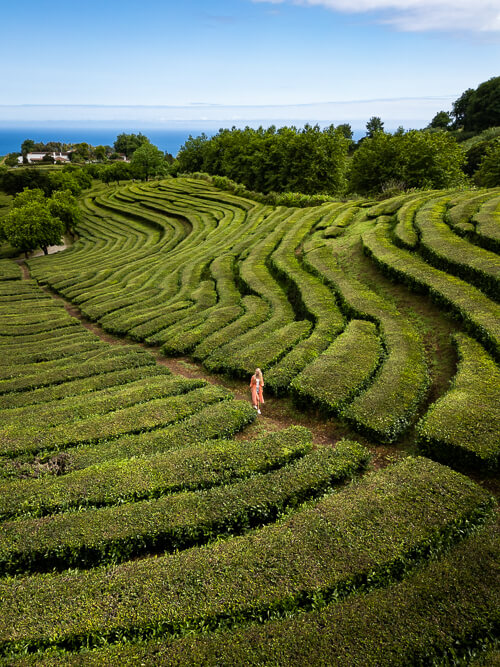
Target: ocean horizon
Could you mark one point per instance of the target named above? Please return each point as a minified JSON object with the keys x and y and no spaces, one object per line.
{"x":166,"y":139}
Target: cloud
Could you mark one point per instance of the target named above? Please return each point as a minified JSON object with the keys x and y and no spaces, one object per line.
{"x":419,"y":15}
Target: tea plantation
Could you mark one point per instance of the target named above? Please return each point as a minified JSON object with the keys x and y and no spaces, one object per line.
{"x":144,"y":519}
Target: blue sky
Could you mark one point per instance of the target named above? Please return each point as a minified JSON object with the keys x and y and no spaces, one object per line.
{"x":165,"y":61}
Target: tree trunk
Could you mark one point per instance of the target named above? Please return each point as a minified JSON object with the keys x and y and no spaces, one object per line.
{"x":45,"y":250}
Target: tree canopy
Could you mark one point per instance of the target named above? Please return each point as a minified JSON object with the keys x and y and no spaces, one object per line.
{"x":308,"y":160}
{"x":147,"y":161}
{"x":488,"y":174}
{"x":479,"y":109}
{"x":31,"y":226}
{"x":373,"y":126}
{"x":414,"y":159}
{"x":128,"y":143}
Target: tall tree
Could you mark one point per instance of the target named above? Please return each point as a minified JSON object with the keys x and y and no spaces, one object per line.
{"x":147,"y":160}
{"x":373,"y":126}
{"x":63,"y":205}
{"x":27,"y":146}
{"x":442,"y":120}
{"x":128,"y":143}
{"x":488,"y":174}
{"x":483,"y":109}
{"x":31,"y":226}
{"x":413,"y":159}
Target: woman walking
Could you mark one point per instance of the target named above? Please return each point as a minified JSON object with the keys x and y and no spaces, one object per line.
{"x":256,"y":385}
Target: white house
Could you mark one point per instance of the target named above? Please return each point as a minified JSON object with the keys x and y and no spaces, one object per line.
{"x":34,"y":158}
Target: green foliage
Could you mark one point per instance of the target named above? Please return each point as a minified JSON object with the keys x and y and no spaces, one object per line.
{"x":309,"y":161}
{"x":483,"y":106}
{"x":488,"y":174}
{"x":332,"y":380}
{"x":172,"y":522}
{"x":196,"y":466}
{"x":374,"y":126}
{"x":462,"y":427}
{"x":385,"y":626}
{"x":63,"y":205}
{"x":479,"y":314}
{"x":9,"y":270}
{"x":68,"y":177}
{"x":147,"y":160}
{"x":129,"y":143}
{"x":442,"y":120}
{"x":32,"y":226}
{"x":28,"y":196}
{"x":417,"y":159}
{"x":11,"y":159}
{"x":366,"y":536}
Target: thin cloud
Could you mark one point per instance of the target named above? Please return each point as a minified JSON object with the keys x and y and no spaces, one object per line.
{"x":419,"y":15}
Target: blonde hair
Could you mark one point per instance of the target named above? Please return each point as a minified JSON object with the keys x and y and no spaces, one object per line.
{"x":258,"y":374}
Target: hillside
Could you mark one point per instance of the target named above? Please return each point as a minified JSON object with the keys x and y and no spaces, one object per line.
{"x":150,"y":516}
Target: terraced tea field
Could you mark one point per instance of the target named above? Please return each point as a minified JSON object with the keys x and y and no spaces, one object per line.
{"x":147,"y":519}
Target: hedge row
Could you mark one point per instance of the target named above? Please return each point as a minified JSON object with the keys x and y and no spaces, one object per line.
{"x":405,"y":233}
{"x":14,"y":370}
{"x":237,"y":356}
{"x":40,"y":327}
{"x":204,"y":297}
{"x":388,"y":406}
{"x":447,"y":251}
{"x":112,"y":360}
{"x":487,"y":219}
{"x":141,"y":417}
{"x":68,"y":348}
{"x":18,"y":288}
{"x":9,"y":270}
{"x":343,"y":218}
{"x":365,"y":536}
{"x":479,"y":314}
{"x":197,"y":466}
{"x":114,"y":534}
{"x":340,"y":373}
{"x":413,"y":622}
{"x":213,"y":420}
{"x":310,"y":299}
{"x":462,"y":427}
{"x":85,"y":385}
{"x":189,"y":333}
{"x":21,"y":422}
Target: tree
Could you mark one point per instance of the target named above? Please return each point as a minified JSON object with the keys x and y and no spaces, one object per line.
{"x":414,"y":159}
{"x":376,"y":162}
{"x":28,"y":196}
{"x":147,"y":161}
{"x":373,"y":126}
{"x":27,"y":146}
{"x":442,"y":120}
{"x":129,"y":143}
{"x":63,"y":205}
{"x":32,"y":226}
{"x":460,"y":107}
{"x":11,"y":159}
{"x":346,"y":130}
{"x":100,"y":153}
{"x":483,"y":108}
{"x":488,"y":174}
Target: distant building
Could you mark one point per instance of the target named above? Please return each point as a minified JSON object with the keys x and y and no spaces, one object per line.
{"x":34,"y":158}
